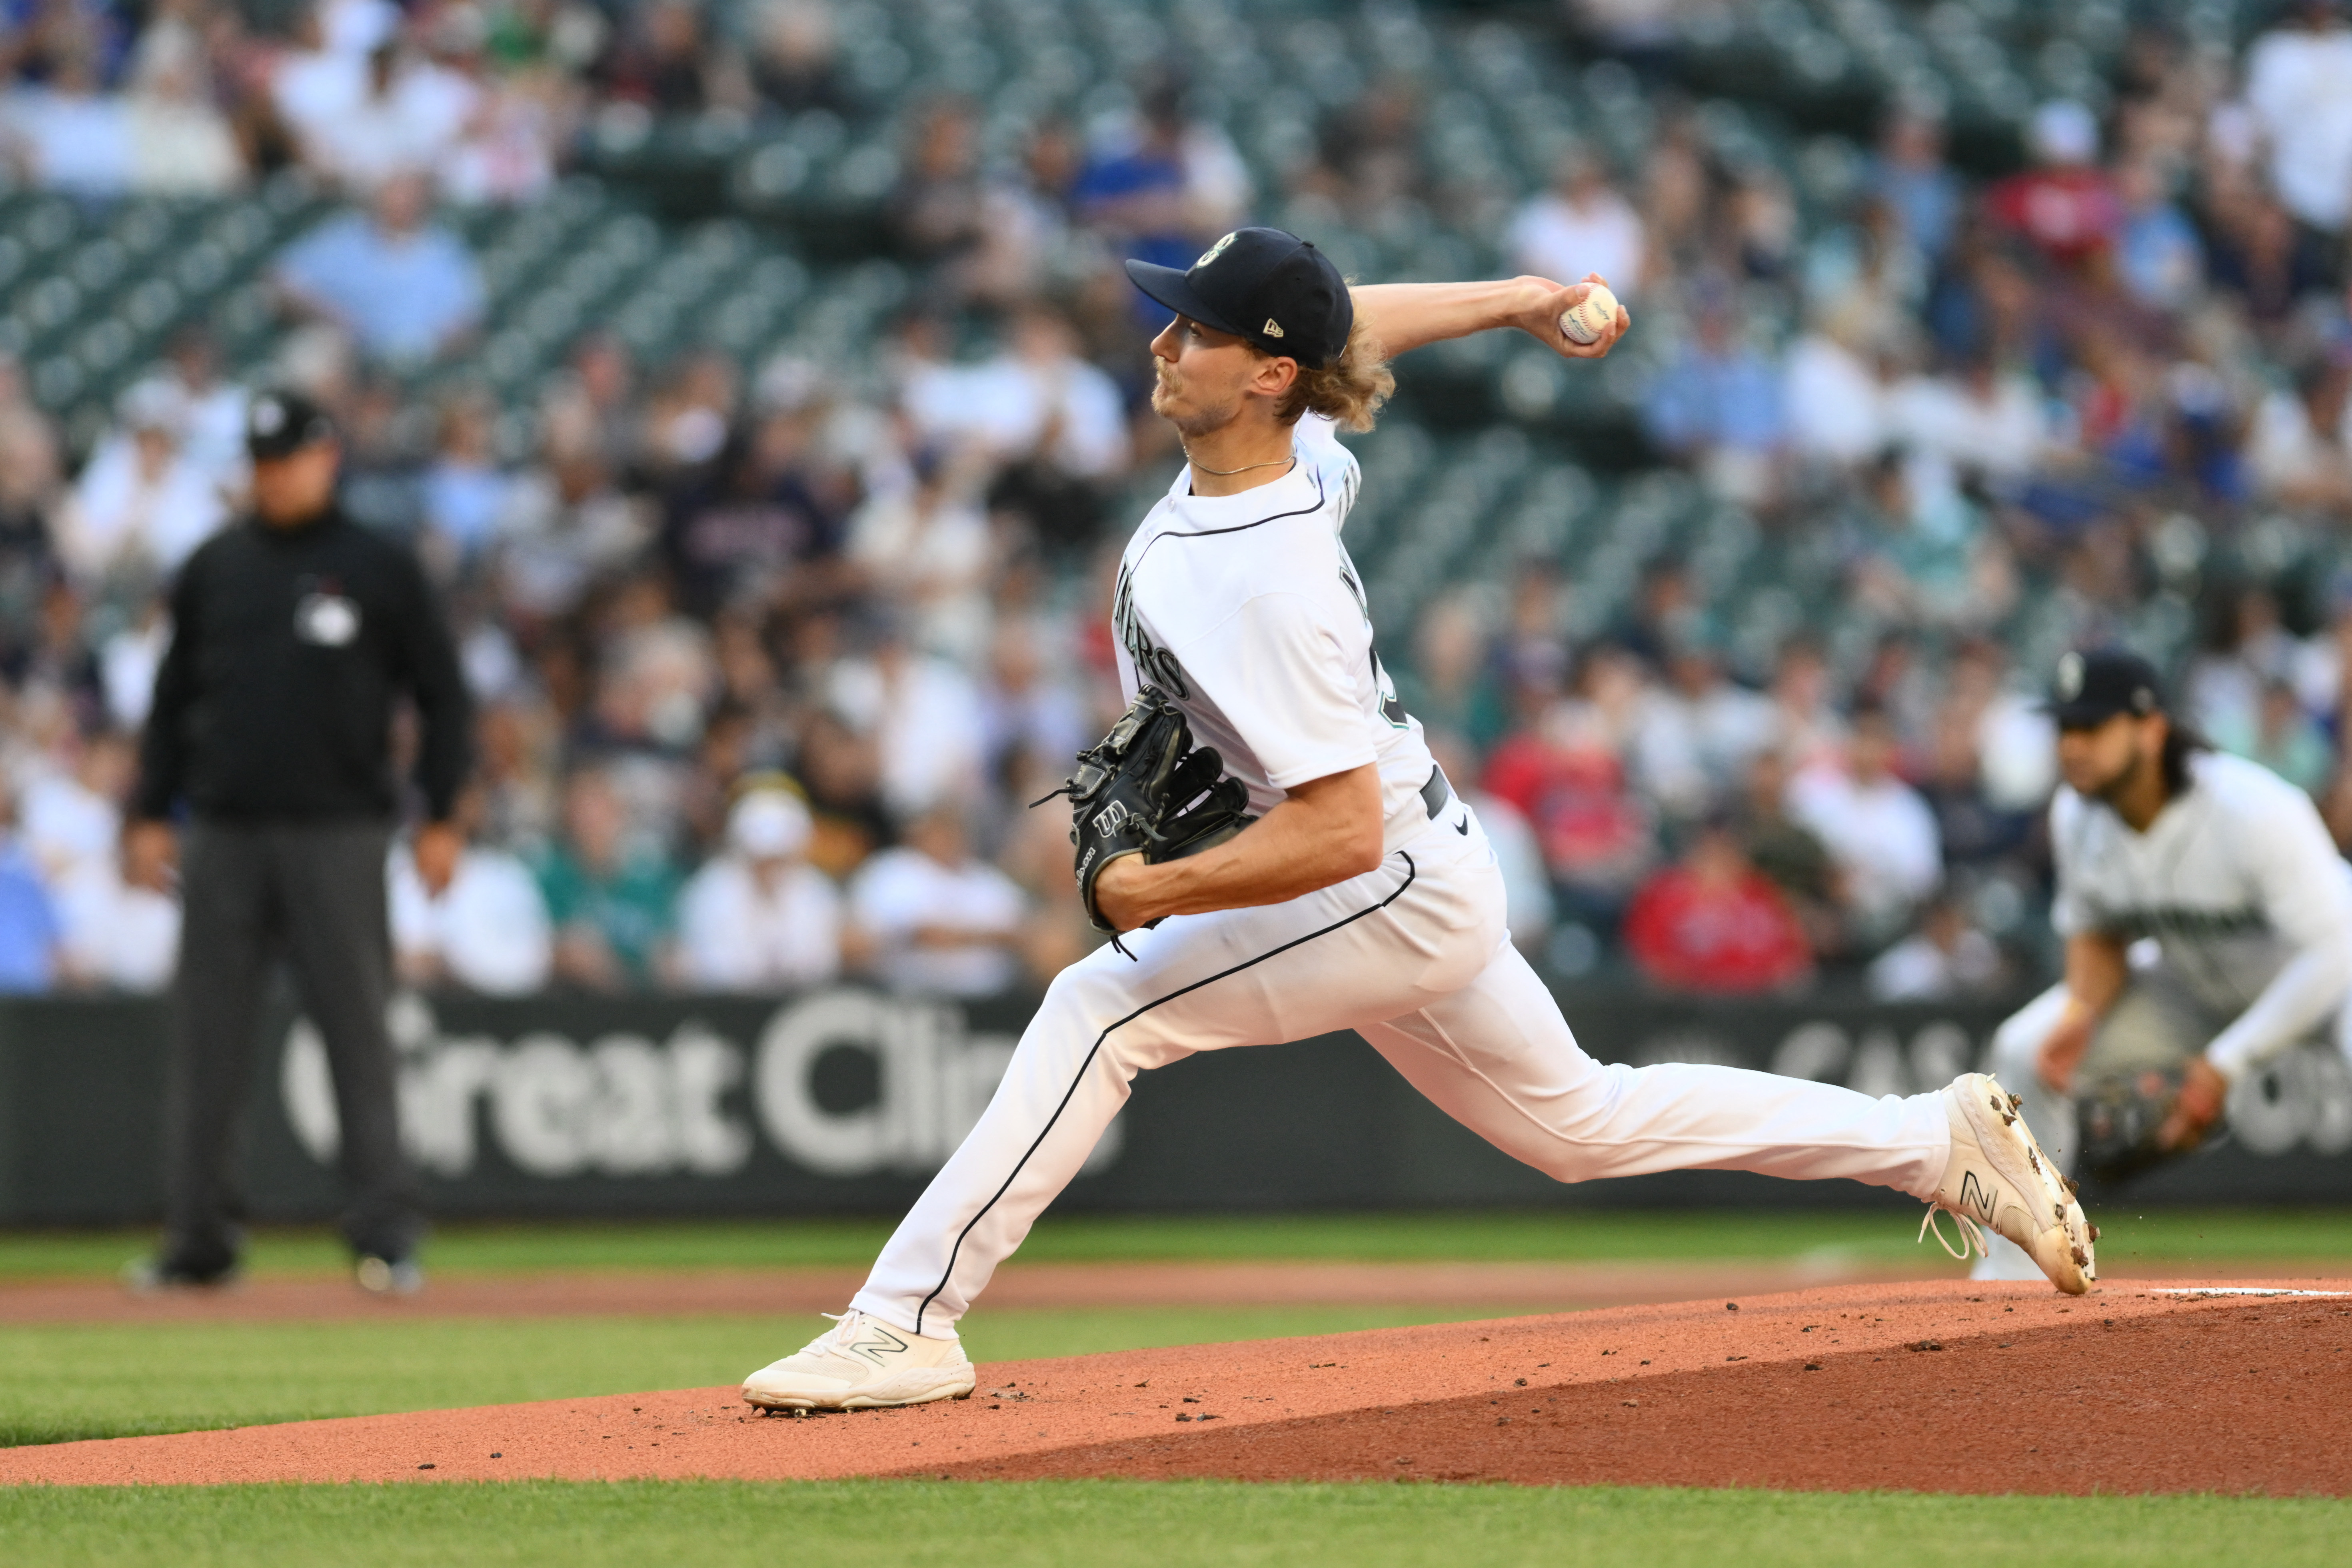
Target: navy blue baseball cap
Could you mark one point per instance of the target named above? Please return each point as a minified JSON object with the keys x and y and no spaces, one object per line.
{"x":2093,"y":684}
{"x":1271,"y":287}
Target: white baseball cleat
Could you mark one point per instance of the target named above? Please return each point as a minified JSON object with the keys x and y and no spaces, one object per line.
{"x":862,"y":1363}
{"x":2000,"y":1179}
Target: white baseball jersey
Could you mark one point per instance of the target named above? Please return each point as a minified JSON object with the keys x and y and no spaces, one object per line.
{"x":1246,"y":610}
{"x":2239,"y":883}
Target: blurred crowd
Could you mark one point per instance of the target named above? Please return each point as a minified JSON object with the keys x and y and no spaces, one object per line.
{"x":2120,"y":373}
{"x":191,"y":96}
{"x":771,"y":657}
{"x":766,"y":672}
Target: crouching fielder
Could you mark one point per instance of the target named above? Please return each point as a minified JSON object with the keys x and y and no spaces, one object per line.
{"x":1363,"y":894}
{"x":2208,"y":923}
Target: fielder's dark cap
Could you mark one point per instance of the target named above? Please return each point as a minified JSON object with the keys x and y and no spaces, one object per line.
{"x":2093,"y":684}
{"x":1262,"y":284}
{"x":279,"y":424}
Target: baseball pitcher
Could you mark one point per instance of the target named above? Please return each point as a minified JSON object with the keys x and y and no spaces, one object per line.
{"x":2208,"y":923}
{"x":1265,"y":832}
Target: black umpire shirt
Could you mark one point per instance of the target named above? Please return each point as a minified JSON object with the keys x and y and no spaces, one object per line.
{"x":288,"y":647}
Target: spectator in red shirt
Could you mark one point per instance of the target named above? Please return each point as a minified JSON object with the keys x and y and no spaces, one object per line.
{"x":2067,"y":207}
{"x":1712,"y":923}
{"x":1568,"y":781}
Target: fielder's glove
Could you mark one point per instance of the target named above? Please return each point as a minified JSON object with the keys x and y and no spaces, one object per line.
{"x":1144,"y":790}
{"x":2122,"y":1120}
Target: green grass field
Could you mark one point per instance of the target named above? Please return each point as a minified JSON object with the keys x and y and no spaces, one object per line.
{"x":1085,"y":1524}
{"x":2184,"y":1237}
{"x":69,"y":1381}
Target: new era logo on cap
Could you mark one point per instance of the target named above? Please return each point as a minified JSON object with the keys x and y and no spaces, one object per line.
{"x":1271,"y":329}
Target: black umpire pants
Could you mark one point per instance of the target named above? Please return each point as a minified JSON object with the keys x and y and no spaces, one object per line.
{"x":314,"y":894}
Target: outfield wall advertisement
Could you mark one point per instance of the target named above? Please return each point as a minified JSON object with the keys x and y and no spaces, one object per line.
{"x":845,"y":1099}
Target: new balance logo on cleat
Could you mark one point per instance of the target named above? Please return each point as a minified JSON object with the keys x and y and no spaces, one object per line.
{"x":882,"y":1342}
{"x":1974,"y":1199}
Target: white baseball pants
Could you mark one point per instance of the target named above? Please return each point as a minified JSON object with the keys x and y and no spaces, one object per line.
{"x":1414,"y":957}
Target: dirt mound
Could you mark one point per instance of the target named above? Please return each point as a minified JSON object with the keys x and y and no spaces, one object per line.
{"x":1941,"y":1387}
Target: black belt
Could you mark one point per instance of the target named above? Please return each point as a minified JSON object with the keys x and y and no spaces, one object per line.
{"x":1436,"y":792}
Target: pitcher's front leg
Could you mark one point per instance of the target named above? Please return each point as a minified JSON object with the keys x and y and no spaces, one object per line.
{"x":1197,"y":983}
{"x":1070,"y":1076}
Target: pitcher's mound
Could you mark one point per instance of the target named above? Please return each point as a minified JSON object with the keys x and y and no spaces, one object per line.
{"x":1941,"y":1387}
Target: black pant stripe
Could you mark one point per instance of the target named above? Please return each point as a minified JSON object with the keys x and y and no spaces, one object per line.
{"x":1411,"y":872}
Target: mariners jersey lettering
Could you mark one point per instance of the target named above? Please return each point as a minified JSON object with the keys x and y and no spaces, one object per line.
{"x":2235,"y":875}
{"x":1247,"y":612}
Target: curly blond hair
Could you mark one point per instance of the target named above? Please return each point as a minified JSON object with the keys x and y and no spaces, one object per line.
{"x":1349,"y":390}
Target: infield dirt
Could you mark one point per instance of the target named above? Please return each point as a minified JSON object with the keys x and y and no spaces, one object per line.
{"x":1951,"y":1387}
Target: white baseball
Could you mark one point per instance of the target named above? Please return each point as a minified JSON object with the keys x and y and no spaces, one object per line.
{"x":1586,"y":322}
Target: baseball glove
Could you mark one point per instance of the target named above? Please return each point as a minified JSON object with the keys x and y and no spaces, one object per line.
{"x":1145,"y":790}
{"x":2122,"y":1118}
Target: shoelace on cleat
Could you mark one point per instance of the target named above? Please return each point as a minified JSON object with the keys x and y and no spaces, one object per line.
{"x":1971,"y":1234}
{"x":827,"y":1340}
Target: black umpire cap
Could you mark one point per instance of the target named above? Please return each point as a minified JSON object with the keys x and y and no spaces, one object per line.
{"x":2093,"y":684}
{"x":278,"y":424}
{"x":1271,"y":287}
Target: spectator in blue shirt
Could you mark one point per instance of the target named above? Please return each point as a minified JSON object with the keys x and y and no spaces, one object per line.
{"x":1718,"y":406}
{"x":28,"y":921}
{"x":2158,"y":252}
{"x":405,"y":288}
{"x":1910,"y":175}
{"x":465,"y":491}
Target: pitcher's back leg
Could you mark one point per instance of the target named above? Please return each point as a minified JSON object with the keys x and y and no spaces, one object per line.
{"x":1498,"y":1057}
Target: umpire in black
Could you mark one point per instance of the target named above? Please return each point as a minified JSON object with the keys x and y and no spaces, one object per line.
{"x":294,"y":631}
